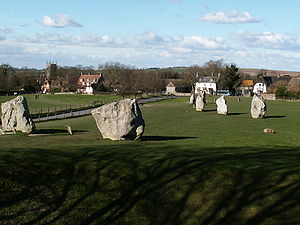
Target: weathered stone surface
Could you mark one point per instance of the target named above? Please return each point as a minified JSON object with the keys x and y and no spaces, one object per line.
{"x":16,"y":116}
{"x":222,"y":106}
{"x":203,"y":96}
{"x":120,"y":120}
{"x":258,"y":107}
{"x":192,"y":99}
{"x":69,"y":129}
{"x":199,"y":103}
{"x":269,"y":130}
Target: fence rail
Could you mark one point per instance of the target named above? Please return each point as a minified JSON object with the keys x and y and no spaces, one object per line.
{"x":84,"y":109}
{"x":50,"y":111}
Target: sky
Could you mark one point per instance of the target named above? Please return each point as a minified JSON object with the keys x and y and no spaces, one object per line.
{"x":151,"y":33}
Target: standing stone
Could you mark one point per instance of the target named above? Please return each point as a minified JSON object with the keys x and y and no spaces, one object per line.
{"x":16,"y":116}
{"x":258,"y":107}
{"x":222,"y":106}
{"x":203,"y":96}
{"x":120,"y":120}
{"x":199,"y":103}
{"x":192,"y":99}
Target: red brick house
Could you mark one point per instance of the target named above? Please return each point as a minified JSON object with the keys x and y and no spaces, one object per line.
{"x":86,"y":82}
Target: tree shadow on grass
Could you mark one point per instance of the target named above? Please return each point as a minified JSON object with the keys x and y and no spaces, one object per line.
{"x":138,"y":183}
{"x":57,"y":131}
{"x":236,"y":114}
{"x":271,"y":117}
{"x":163,"y":138}
{"x":210,"y":110}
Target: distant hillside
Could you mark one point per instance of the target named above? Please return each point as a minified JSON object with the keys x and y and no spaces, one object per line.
{"x":253,"y":72}
{"x":250,"y":71}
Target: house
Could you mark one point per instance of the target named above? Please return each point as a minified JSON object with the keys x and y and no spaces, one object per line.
{"x":206,"y":84}
{"x":175,"y":86}
{"x":246,"y":87}
{"x":46,"y":88}
{"x":87,"y":82}
{"x":264,"y":83}
{"x":261,"y":85}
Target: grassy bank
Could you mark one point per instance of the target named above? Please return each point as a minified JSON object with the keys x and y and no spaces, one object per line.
{"x":189,"y":168}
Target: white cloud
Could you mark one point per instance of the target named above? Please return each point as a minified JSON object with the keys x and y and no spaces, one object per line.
{"x":198,"y":42}
{"x":6,"y":29}
{"x":72,"y":40}
{"x":268,"y":40}
{"x":150,"y":49}
{"x":2,"y":38}
{"x":59,"y":21}
{"x":151,"y":39}
{"x":229,"y":17}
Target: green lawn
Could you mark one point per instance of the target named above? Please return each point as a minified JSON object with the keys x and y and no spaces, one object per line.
{"x":189,"y":168}
{"x":60,"y":102}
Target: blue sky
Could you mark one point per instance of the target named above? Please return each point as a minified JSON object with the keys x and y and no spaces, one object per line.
{"x":151,"y":33}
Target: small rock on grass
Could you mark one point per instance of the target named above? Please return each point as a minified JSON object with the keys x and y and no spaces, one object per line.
{"x":69,"y":129}
{"x":269,"y":130}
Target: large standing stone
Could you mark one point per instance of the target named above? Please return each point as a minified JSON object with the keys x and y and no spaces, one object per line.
{"x":120,"y":120}
{"x":222,"y":106}
{"x":16,"y":116}
{"x":199,"y":103}
{"x":258,"y":107}
{"x":203,"y":95}
{"x":192,"y":99}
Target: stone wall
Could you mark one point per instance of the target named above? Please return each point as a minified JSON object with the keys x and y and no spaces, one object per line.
{"x":268,"y":96}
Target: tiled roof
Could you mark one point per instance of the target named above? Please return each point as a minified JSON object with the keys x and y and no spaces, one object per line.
{"x":91,"y":77}
{"x":248,"y":83}
{"x":206,"y":80}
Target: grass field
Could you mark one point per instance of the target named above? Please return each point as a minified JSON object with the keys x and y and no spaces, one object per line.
{"x":189,"y":168}
{"x":61,"y":101}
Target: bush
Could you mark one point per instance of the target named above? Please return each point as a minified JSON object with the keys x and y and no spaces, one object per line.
{"x":282,"y":92}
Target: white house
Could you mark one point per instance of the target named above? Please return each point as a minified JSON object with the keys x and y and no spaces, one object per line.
{"x":89,"y":90}
{"x":260,"y":87}
{"x":206,"y":84}
{"x":262,"y":84}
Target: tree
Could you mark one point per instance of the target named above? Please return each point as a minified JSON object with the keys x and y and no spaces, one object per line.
{"x":116,"y":76}
{"x":195,"y":72}
{"x":5,"y":71}
{"x":261,"y":73}
{"x":213,"y":68}
{"x":192,"y":75}
{"x":229,"y":78}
